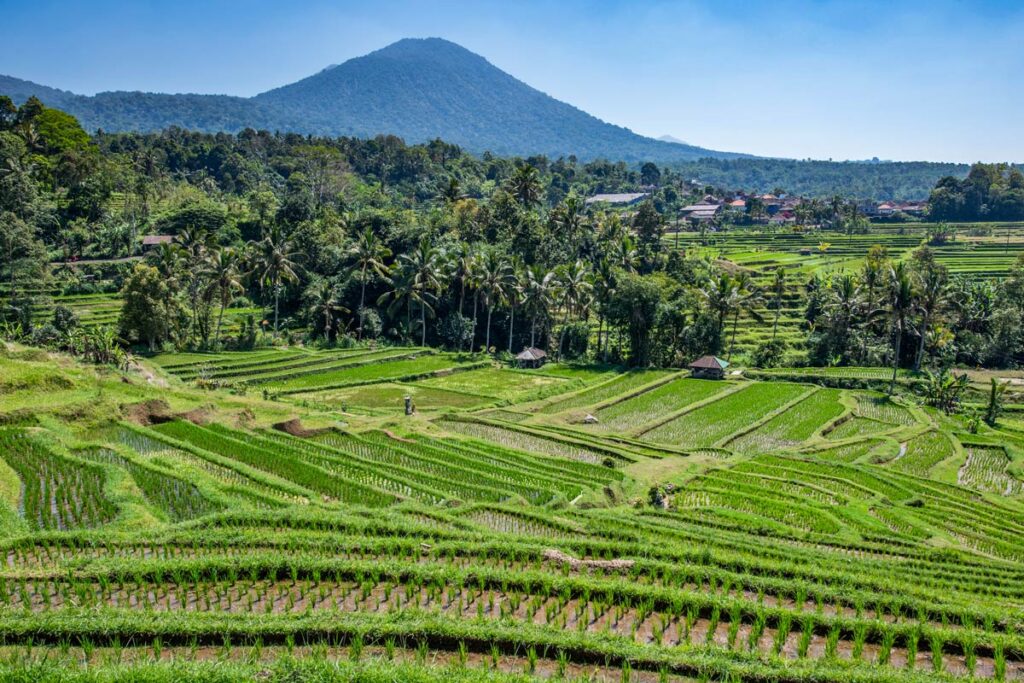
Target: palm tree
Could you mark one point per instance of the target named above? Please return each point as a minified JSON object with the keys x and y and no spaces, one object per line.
{"x":845,"y":303}
{"x":625,"y":254}
{"x":276,"y":266}
{"x":224,"y":269}
{"x":513,"y":295}
{"x":539,"y":291}
{"x":423,"y":264}
{"x":568,"y":218}
{"x":369,"y":253}
{"x":323,"y":303}
{"x":462,"y":261}
{"x":722,"y":296}
{"x":778,"y":289}
{"x":604,"y":288}
{"x":495,"y":279}
{"x":748,"y":298}
{"x":901,"y":304}
{"x":195,"y":244}
{"x":401,"y":292}
{"x":934,"y":285}
{"x":575,"y":287}
{"x":525,"y":185}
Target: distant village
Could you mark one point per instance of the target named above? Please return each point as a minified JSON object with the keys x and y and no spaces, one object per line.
{"x":764,"y":209}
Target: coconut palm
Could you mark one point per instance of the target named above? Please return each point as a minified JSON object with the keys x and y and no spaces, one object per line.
{"x":625,"y":254}
{"x":604,"y":288}
{"x":275,"y":265}
{"x":514,"y":295}
{"x":461,"y":264}
{"x":933,"y":290}
{"x":368,"y":253}
{"x":495,"y":278}
{"x":539,"y":290}
{"x":323,"y":303}
{"x":574,"y":288}
{"x":748,"y":299}
{"x":223,"y":267}
{"x":195,"y":244}
{"x":525,"y":185}
{"x":424,"y":266}
{"x":722,"y":296}
{"x":901,"y":305}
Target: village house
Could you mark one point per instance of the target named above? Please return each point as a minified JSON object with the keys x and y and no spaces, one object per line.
{"x":708,"y":367}
{"x":701,"y":212}
{"x":531,"y":358}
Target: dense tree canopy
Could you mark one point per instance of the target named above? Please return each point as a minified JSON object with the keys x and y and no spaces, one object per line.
{"x":343,"y":240}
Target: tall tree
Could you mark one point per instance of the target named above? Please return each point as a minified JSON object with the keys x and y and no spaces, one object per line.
{"x":369,"y":254}
{"x":933,"y":286}
{"x":525,"y":185}
{"x":495,"y":278}
{"x":424,"y":265}
{"x":276,"y":266}
{"x":901,"y":305}
{"x":224,"y":270}
{"x":574,"y":287}
{"x":539,"y":293}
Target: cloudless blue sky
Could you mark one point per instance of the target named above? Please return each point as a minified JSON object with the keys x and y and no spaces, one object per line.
{"x":899,"y":79}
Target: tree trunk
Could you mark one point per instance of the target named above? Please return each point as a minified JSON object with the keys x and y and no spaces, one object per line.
{"x":511,"y":327}
{"x":277,"y":297}
{"x":423,"y":323}
{"x":472,"y":341}
{"x":220,"y":318}
{"x":732,"y":341}
{"x":487,"y":343}
{"x":775,"y":325}
{"x":896,"y":357}
{"x":920,"y":345}
{"x":561,"y":335}
{"x":362,"y":300}
{"x":533,"y":332}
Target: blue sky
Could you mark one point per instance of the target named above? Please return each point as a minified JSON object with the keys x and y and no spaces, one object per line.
{"x":915,"y":79}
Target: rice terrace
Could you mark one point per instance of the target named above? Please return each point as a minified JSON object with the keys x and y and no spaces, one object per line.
{"x":409,"y":371}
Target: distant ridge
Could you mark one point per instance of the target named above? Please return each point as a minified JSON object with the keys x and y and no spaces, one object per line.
{"x":418,"y":89}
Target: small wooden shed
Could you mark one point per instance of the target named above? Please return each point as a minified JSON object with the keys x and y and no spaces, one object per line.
{"x":708,"y":367}
{"x":531,"y":358}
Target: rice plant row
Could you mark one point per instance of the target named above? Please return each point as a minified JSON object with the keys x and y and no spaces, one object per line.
{"x":177,"y":498}
{"x":57,"y":493}
{"x":707,"y":425}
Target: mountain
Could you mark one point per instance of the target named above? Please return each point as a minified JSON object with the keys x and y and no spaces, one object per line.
{"x":672,"y":139}
{"x":418,"y":89}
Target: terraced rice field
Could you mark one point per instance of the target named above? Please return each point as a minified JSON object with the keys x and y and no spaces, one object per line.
{"x":499,"y":540}
{"x":634,"y":413}
{"x":716,"y":421}
{"x":921,"y":453}
{"x":793,"y":426}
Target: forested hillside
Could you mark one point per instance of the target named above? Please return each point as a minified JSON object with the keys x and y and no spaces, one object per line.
{"x":338,"y":240}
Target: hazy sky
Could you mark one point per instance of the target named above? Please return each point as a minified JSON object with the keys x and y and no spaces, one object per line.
{"x":915,"y":79}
